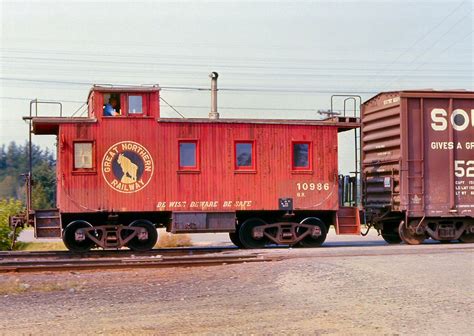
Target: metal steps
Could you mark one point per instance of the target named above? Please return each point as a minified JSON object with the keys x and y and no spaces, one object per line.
{"x":348,"y":220}
{"x":47,"y":223}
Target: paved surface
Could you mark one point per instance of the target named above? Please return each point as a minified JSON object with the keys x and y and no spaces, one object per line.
{"x":339,"y":290}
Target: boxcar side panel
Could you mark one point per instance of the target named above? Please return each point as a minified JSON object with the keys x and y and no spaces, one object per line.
{"x":448,"y":155}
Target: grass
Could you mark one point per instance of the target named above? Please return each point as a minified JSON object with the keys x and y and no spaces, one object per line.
{"x":173,"y":240}
{"x":13,"y":287}
{"x":34,"y":246}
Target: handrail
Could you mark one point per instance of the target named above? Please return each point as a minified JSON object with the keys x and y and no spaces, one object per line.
{"x":355,"y":105}
{"x":348,"y":97}
{"x":35,"y":102}
{"x":29,"y":176}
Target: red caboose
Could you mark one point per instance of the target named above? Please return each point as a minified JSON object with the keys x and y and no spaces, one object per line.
{"x":123,"y":170}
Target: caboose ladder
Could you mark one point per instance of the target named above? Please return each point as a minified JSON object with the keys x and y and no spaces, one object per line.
{"x":348,"y":220}
{"x":358,"y":168}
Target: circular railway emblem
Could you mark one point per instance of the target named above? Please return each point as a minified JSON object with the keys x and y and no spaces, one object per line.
{"x":127,"y":167}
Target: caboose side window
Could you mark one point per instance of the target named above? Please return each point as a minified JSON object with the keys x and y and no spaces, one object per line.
{"x":301,"y":155}
{"x":135,"y":104}
{"x":188,"y":157}
{"x":244,"y":155}
{"x":112,"y":102}
{"x":83,"y":156}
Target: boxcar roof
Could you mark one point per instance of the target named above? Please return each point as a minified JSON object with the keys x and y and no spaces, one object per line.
{"x":428,"y":93}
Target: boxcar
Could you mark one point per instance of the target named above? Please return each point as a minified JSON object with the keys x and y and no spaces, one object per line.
{"x":418,"y":165}
{"x":123,"y":170}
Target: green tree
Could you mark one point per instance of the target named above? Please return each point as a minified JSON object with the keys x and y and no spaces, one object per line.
{"x":8,"y":207}
{"x":8,"y":186}
{"x":14,"y":163}
{"x":3,"y":158}
{"x":44,"y":185}
{"x":39,"y":198}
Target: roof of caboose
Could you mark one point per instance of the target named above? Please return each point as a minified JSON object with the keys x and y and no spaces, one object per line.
{"x":50,"y":125}
{"x":426,"y":93}
{"x":124,"y":88}
{"x":342,"y":123}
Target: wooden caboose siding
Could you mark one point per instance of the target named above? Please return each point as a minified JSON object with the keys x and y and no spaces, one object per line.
{"x":216,"y":182}
{"x":89,"y":192}
{"x":273,"y":177}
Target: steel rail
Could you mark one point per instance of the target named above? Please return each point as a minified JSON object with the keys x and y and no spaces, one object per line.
{"x":128,"y":263}
{"x":178,"y":251}
{"x":160,"y":261}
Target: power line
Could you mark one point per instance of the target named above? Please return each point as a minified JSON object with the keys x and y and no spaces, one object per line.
{"x":245,"y":65}
{"x":425,"y":50}
{"x":446,"y":49}
{"x":255,"y":108}
{"x":419,"y":39}
{"x":195,"y":88}
{"x":30,"y":99}
{"x":327,"y":73}
{"x":235,"y":76}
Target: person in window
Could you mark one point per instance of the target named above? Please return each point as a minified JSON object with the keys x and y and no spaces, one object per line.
{"x":110,"y":109}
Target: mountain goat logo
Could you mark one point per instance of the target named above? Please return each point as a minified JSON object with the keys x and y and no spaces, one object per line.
{"x":127,"y":167}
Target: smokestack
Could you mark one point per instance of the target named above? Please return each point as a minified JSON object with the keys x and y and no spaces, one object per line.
{"x":214,"y":114}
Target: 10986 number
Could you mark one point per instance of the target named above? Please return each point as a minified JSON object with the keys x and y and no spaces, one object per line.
{"x":312,"y":186}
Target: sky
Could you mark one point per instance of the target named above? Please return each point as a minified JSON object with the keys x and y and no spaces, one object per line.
{"x":275,"y":59}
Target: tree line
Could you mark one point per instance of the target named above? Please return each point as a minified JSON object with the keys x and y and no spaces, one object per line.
{"x":13,"y":166}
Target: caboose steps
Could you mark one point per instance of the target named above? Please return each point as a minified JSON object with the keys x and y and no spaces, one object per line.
{"x":348,"y":220}
{"x":47,"y":223}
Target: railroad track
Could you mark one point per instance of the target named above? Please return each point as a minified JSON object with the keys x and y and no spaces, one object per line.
{"x":178,"y":251}
{"x":37,"y":261}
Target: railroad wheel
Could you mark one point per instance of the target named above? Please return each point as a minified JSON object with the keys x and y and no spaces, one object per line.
{"x":246,"y":235}
{"x":146,"y":241}
{"x":234,"y":238}
{"x":391,"y":235}
{"x":74,"y":239}
{"x":467,"y":237}
{"x":409,"y":235}
{"x":310,"y":241}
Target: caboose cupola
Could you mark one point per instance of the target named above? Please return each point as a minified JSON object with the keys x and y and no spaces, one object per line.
{"x":112,"y":102}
